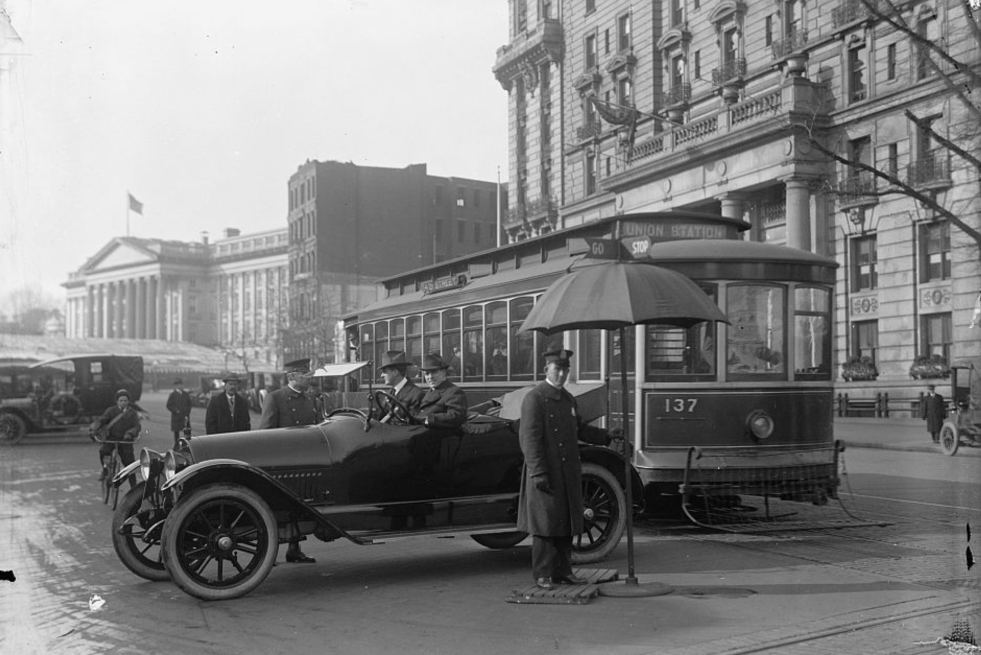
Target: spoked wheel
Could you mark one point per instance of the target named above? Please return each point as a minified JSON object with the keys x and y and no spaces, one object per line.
{"x":604,"y":515}
{"x":220,"y":542}
{"x":136,"y":528}
{"x":950,"y":439}
{"x":12,"y":429}
{"x":111,"y":469}
{"x":500,"y":540}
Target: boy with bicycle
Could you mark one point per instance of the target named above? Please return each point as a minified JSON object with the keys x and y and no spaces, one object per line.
{"x":121,"y":422}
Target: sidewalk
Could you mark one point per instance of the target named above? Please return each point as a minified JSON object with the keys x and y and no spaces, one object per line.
{"x":892,"y":434}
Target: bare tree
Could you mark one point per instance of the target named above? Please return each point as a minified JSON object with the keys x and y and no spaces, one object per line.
{"x":962,"y":113}
{"x":29,"y":308}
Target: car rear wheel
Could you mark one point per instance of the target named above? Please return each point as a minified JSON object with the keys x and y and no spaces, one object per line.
{"x":136,"y":531}
{"x":220,"y":542}
{"x":501,"y":540}
{"x":604,"y":515}
{"x":12,"y":429}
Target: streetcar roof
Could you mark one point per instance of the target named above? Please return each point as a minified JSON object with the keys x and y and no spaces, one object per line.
{"x":707,"y":250}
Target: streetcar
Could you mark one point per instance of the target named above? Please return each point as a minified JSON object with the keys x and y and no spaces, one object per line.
{"x":716,"y":411}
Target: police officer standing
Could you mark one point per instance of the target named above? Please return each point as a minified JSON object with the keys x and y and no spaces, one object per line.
{"x":286,"y":407}
{"x":550,"y":505}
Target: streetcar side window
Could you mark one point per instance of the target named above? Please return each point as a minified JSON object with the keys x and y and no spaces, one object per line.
{"x":496,"y":340}
{"x":522,"y":360}
{"x":451,"y":342}
{"x":756,"y":345}
{"x":812,"y":333}
{"x":473,"y":344}
{"x":590,"y":354}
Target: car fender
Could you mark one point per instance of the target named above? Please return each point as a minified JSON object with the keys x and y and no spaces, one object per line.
{"x":22,"y":411}
{"x":615,"y":464}
{"x":231,"y":471}
{"x":126,"y":471}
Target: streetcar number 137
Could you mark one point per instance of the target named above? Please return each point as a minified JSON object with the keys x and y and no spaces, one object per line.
{"x":682,"y":405}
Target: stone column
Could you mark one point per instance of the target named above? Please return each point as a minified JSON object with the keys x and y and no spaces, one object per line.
{"x":151,"y":307}
{"x":107,"y":317}
{"x":98,"y":312}
{"x":161,"y":308}
{"x":140,"y":308}
{"x":798,"y":213}
{"x":87,"y":320}
{"x":131,"y":308}
{"x":120,"y":309}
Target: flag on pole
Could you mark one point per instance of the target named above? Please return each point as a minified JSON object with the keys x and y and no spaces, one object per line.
{"x":976,"y":319}
{"x":135,"y":205}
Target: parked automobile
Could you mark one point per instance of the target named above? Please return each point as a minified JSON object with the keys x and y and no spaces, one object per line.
{"x":63,"y":394}
{"x":212,"y":514}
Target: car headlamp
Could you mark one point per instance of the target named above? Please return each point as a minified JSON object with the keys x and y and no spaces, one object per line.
{"x":147,"y":458}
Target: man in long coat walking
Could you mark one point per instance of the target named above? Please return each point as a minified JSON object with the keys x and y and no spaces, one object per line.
{"x":179,"y":406}
{"x":550,"y":506}
{"x":934,"y":410}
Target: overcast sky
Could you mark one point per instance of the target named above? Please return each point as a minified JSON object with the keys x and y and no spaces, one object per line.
{"x":203,"y":109}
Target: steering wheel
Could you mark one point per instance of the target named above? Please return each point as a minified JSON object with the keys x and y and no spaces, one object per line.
{"x":393,"y":407}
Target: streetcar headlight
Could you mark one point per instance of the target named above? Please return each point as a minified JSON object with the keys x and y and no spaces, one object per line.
{"x":760,"y":424}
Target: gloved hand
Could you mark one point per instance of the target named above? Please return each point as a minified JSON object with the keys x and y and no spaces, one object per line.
{"x":542,"y":485}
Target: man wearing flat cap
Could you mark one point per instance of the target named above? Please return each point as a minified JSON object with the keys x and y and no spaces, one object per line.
{"x":227,"y":411}
{"x":121,"y":422}
{"x":179,"y":406}
{"x":393,"y":368}
{"x":286,"y":407}
{"x":550,"y":505}
{"x":444,"y":405}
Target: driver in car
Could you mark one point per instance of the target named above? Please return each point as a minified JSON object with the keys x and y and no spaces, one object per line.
{"x":393,"y":369}
{"x":444,"y":405}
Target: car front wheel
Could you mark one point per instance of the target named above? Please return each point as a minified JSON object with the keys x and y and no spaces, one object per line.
{"x":604,"y":515}
{"x":949,"y":439}
{"x":136,"y":535}
{"x":220,"y":542}
{"x":12,"y":429}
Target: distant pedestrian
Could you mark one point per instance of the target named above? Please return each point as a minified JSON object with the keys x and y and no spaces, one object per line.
{"x":286,"y":407}
{"x":227,"y":411}
{"x":179,"y":406}
{"x":934,"y":411}
{"x":550,"y":505}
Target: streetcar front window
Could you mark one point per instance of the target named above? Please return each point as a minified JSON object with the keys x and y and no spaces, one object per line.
{"x":756,"y":343}
{"x":812,"y":334}
{"x":673,"y":352}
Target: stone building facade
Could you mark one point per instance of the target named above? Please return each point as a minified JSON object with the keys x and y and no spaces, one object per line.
{"x":621,"y":106}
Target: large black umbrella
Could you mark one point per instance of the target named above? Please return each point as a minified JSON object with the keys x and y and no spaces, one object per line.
{"x":614,"y":296}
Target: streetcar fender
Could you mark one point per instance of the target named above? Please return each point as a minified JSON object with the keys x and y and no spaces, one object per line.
{"x":126,"y":471}
{"x":280,"y":498}
{"x":615,"y":464}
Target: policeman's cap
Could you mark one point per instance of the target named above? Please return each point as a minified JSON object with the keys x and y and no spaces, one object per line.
{"x":559,"y":357}
{"x":298,"y":366}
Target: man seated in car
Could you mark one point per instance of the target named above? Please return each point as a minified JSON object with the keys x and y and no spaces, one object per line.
{"x":121,"y":422}
{"x":445,"y":404}
{"x":393,"y":368}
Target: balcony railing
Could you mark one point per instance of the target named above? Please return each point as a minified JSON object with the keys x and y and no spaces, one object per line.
{"x":731,"y":70}
{"x":540,"y":43}
{"x":929,"y":171}
{"x":589,"y":130}
{"x":857,"y":189}
{"x":795,"y":42}
{"x":677,"y":95}
{"x":850,"y":11}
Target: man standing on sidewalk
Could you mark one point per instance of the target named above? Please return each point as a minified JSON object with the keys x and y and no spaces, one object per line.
{"x":934,"y":410}
{"x":179,"y":406}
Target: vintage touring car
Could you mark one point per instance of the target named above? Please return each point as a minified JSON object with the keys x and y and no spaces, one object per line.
{"x":212,"y":514}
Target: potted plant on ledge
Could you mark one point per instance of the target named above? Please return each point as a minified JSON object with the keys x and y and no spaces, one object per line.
{"x":859,"y":368}
{"x":926,"y":367}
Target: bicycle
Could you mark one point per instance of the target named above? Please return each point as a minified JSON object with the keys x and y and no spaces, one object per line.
{"x":112,"y":467}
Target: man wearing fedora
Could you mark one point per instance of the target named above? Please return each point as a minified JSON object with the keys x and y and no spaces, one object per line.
{"x":227,"y":411}
{"x":550,"y":505}
{"x":286,"y":407}
{"x":179,"y":406}
{"x":393,"y":368}
{"x":444,"y":405}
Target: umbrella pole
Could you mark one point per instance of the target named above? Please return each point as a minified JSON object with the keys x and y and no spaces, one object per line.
{"x":627,"y":456}
{"x":631,"y":588}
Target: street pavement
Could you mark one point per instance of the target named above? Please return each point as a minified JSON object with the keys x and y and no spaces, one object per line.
{"x":892,"y":434}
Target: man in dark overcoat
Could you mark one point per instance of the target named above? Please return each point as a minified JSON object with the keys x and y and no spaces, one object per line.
{"x":179,"y":406}
{"x":934,"y":410}
{"x":445,"y":405}
{"x":550,"y":506}
{"x":394,"y":367}
{"x":227,"y":411}
{"x":289,"y":406}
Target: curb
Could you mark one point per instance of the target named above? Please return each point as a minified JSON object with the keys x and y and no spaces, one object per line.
{"x":967,"y":451}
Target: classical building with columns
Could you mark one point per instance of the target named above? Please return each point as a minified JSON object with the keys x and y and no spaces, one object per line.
{"x":621,"y":106}
{"x":228,"y":294}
